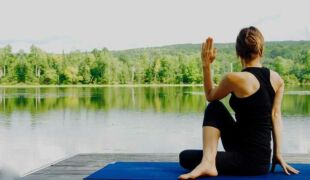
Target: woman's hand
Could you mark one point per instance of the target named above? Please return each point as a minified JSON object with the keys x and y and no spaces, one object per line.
{"x":208,"y":52}
{"x":278,"y":159}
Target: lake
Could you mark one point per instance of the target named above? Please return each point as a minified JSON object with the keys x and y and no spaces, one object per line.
{"x":39,"y":126}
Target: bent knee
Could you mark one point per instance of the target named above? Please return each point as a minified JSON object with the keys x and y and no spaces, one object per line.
{"x":190,"y":158}
{"x":215,"y":108}
{"x":216,"y":103}
{"x":182,"y":157}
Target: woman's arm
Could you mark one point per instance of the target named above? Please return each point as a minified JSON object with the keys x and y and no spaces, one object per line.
{"x":277,"y":119}
{"x":208,"y":54}
{"x":277,"y":132}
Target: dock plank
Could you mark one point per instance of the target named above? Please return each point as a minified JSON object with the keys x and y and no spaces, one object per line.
{"x":81,"y":165}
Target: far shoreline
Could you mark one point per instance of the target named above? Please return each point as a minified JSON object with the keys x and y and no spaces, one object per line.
{"x":113,"y":85}
{"x":100,"y":85}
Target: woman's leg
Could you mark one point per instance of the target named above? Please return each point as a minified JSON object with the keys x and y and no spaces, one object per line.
{"x":207,"y":165}
{"x":227,"y":163}
{"x":216,"y":115}
{"x":190,"y":158}
{"x":217,"y":122}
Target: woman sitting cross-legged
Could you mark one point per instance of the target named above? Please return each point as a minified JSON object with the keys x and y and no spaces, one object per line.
{"x":256,"y":97}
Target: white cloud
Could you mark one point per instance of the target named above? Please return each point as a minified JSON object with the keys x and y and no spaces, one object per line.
{"x":54,"y":25}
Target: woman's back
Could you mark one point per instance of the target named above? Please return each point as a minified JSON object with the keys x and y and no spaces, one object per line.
{"x":261,"y":93}
{"x":253,"y":113}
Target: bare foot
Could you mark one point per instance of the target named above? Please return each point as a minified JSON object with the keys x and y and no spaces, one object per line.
{"x":203,"y":169}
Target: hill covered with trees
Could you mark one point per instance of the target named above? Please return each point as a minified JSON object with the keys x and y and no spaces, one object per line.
{"x":174,"y":64}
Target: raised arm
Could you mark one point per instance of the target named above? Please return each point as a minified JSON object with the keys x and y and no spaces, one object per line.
{"x":277,"y":131}
{"x":208,"y":53}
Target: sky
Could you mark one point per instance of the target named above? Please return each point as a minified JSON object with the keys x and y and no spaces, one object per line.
{"x":66,"y":25}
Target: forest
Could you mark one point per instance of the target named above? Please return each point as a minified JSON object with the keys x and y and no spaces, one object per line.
{"x":173,"y":64}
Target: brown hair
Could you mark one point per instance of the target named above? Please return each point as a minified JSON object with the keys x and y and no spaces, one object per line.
{"x":249,"y":43}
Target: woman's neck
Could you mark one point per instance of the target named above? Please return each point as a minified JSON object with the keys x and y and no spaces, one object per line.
{"x":253,"y":63}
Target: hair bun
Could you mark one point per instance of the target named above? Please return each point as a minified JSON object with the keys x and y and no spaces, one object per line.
{"x":250,"y":43}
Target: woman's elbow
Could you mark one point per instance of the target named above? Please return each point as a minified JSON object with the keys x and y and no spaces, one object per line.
{"x":276,"y":115}
{"x":209,"y":96}
{"x":276,"y":120}
{"x":209,"y":99}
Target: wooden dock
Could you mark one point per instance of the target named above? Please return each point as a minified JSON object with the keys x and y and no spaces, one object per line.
{"x":81,"y":165}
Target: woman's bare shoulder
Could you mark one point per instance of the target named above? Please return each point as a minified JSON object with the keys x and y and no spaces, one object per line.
{"x":238,"y":80}
{"x":234,"y":76}
{"x":275,"y":80}
{"x":238,"y":76}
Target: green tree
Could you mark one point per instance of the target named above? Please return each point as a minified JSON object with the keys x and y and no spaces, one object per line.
{"x":5,"y":59}
{"x":38,"y":58}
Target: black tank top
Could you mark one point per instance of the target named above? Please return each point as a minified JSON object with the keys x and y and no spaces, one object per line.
{"x":253,"y":116}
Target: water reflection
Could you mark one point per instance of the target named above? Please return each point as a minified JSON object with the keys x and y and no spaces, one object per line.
{"x":157,"y":99}
{"x":41,"y":125}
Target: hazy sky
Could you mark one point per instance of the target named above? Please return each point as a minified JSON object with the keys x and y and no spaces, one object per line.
{"x":56,"y":25}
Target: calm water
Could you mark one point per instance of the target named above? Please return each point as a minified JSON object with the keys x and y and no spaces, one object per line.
{"x":42,"y":125}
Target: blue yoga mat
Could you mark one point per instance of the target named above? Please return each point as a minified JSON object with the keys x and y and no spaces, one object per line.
{"x":172,"y":170}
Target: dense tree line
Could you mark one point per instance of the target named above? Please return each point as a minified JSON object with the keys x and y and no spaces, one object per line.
{"x":175,"y":64}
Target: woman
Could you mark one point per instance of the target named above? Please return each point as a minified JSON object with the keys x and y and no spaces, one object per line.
{"x":256,"y":96}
